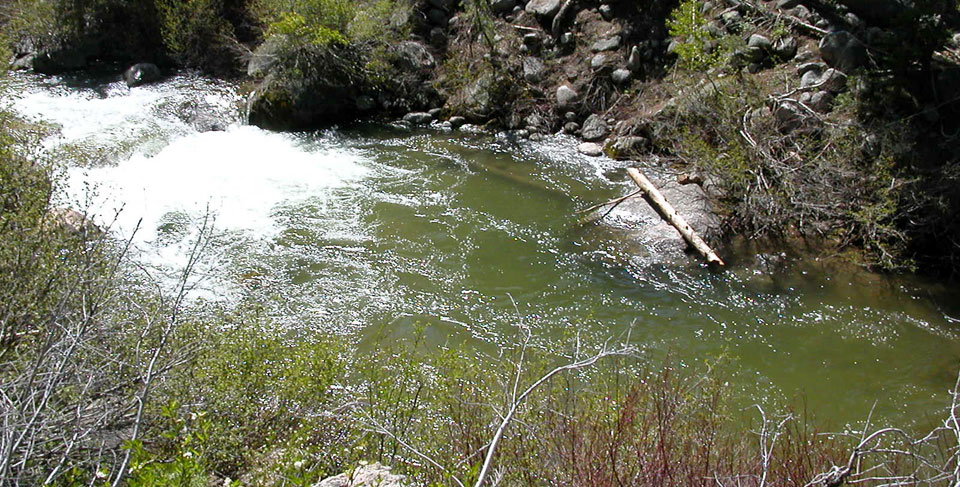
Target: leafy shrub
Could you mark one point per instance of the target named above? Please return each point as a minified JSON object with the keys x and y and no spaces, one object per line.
{"x":695,"y":45}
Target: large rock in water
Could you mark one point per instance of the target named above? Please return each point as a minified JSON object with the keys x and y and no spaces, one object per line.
{"x":299,"y":104}
{"x":141,"y":74}
{"x":478,"y":100}
{"x":653,"y":235}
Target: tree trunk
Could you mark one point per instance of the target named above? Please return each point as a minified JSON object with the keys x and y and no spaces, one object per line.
{"x":668,"y":213}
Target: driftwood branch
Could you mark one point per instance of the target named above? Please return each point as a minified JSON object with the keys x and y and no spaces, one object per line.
{"x":666,"y":211}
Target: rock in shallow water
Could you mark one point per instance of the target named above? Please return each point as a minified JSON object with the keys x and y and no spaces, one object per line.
{"x":141,"y":74}
{"x":590,"y":149}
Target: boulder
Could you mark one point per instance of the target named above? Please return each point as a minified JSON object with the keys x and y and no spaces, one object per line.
{"x":660,"y":239}
{"x":302,"y":103}
{"x":22,"y":63}
{"x":600,"y":61}
{"x":804,"y":68}
{"x":760,"y":42}
{"x":608,"y":44}
{"x":62,"y":61}
{"x":571,"y":127}
{"x":843,"y":51}
{"x":594,"y":128}
{"x":141,"y":74}
{"x":821,"y":101}
{"x":457,"y":122}
{"x":372,"y":475}
{"x":418,"y":118}
{"x":627,"y":147}
{"x":533,"y":69}
{"x":413,"y":56}
{"x":833,"y":81}
{"x":567,"y":99}
{"x":503,"y":6}
{"x":785,"y":49}
{"x":590,"y":149}
{"x":477,"y":100}
{"x":788,"y":117}
{"x":543,"y":8}
{"x":621,"y":76}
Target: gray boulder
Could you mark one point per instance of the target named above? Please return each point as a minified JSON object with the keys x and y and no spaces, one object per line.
{"x":567,"y":99}
{"x":533,"y":69}
{"x":760,"y":42}
{"x":833,"y":81}
{"x":141,"y":74}
{"x":543,"y":8}
{"x":413,"y":56}
{"x":785,"y":49}
{"x":372,"y":475}
{"x":600,"y":61}
{"x":590,"y":149}
{"x":843,"y":51}
{"x":307,"y":102}
{"x":594,"y":128}
{"x":477,"y":100}
{"x":418,"y":118}
{"x":621,"y":76}
{"x":608,"y":44}
{"x":627,"y":147}
{"x":457,"y":122}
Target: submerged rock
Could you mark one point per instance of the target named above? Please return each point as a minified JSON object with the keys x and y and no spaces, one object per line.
{"x":141,"y":74}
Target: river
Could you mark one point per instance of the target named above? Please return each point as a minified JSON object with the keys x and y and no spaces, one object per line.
{"x":381,"y":229}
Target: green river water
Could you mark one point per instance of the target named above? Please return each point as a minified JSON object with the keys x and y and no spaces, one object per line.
{"x":379,"y":229}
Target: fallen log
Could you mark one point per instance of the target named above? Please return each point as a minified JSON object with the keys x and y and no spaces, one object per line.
{"x":668,"y":213}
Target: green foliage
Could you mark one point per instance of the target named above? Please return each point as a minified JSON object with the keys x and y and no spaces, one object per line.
{"x":696,"y":46}
{"x":30,"y":244}
{"x":256,"y":389}
{"x":326,"y":22}
{"x":191,"y":30}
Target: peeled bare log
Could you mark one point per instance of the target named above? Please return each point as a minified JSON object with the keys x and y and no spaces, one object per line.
{"x":668,"y":213}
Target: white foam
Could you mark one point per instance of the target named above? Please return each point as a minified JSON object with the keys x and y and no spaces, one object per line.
{"x":84,"y":115}
{"x":243,"y":175}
